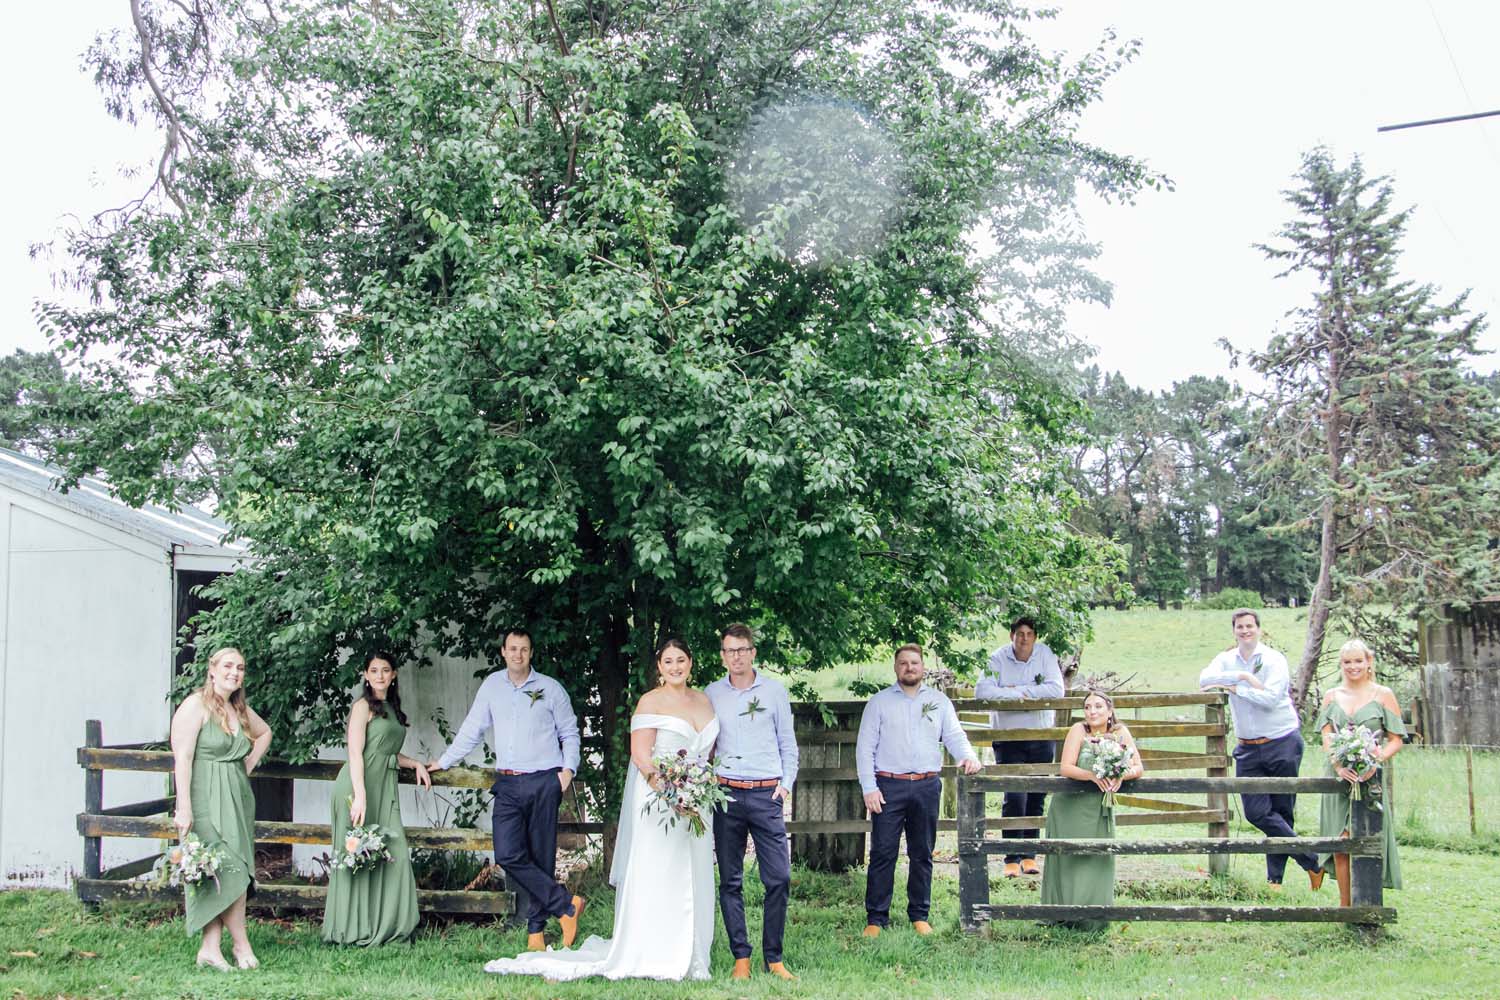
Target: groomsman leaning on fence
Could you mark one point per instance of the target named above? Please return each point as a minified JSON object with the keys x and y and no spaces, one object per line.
{"x":899,"y":755}
{"x":1269,"y":736}
{"x":534,"y":733}
{"x":1025,"y":668}
{"x":758,"y":752}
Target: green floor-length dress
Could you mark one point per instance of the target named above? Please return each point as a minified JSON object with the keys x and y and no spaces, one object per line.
{"x":224,"y":816}
{"x":379,"y":904}
{"x":1080,"y":878}
{"x":1333,"y":818}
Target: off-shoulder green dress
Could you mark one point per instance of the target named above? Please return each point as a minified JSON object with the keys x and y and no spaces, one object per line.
{"x":1080,"y":878}
{"x":223,"y":816}
{"x":1333,"y":820}
{"x":379,"y":904}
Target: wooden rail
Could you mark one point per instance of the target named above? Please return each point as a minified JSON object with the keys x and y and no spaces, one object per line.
{"x":1365,"y":845}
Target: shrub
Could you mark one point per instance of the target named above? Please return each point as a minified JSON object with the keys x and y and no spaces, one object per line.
{"x":1230,"y":598}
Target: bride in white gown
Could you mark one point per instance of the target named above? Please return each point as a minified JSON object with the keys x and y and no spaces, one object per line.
{"x":663,"y":875}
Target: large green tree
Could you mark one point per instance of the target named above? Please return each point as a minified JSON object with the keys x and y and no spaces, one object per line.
{"x":618,"y":319}
{"x":1370,"y":413}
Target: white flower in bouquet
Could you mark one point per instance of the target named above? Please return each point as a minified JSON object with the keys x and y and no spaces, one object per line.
{"x":1111,"y":760}
{"x":689,"y":789}
{"x":363,"y":848}
{"x":1355,"y":749}
{"x":191,"y":863}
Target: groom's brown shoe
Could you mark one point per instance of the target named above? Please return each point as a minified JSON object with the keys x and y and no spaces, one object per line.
{"x":922,"y":927}
{"x":741,"y":969}
{"x":569,"y":922}
{"x":778,"y":969}
{"x":536,"y":942}
{"x":872,"y":930}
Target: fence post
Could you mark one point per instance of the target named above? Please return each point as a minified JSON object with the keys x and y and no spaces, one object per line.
{"x":973,"y":862}
{"x":93,"y":798}
{"x":1217,"y":746}
{"x":1367,"y":872}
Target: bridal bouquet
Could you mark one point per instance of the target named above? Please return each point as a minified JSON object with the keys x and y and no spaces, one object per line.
{"x":689,"y":789}
{"x":191,"y":862}
{"x":1111,"y":760}
{"x":364,"y":848}
{"x":1354,"y":747}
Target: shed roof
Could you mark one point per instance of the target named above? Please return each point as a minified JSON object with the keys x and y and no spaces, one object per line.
{"x":194,"y":535}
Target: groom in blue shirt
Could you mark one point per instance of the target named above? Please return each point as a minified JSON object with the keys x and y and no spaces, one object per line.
{"x":535,"y":736}
{"x":758,"y":751}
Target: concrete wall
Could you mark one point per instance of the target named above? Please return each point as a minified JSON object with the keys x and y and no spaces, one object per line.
{"x":1461,"y":677}
{"x":85,"y":633}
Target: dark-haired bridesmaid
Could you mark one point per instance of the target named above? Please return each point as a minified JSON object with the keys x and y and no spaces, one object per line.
{"x":379,"y":904}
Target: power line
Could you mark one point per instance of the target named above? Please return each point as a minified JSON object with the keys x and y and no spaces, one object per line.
{"x":1438,"y":121}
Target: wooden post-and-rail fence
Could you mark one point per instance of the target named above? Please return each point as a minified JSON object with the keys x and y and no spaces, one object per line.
{"x":1364,"y":844}
{"x":828,"y":824}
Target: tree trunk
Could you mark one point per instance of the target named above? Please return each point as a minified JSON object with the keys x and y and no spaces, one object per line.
{"x":1317,"y":611}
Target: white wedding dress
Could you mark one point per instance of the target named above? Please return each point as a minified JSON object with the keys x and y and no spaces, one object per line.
{"x":664,"y":886}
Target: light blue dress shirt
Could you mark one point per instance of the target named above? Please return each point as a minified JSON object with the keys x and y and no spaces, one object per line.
{"x":756,"y":736}
{"x":906,"y":734}
{"x":1259,"y":713}
{"x":532,"y":726}
{"x":1007,"y":677}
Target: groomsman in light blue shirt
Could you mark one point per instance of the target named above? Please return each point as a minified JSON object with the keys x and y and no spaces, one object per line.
{"x":534,"y":733}
{"x":758,"y":750}
{"x":1269,"y":737}
{"x":899,"y":755}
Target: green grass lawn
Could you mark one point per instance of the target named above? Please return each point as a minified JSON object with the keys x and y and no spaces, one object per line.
{"x":1443,"y":945}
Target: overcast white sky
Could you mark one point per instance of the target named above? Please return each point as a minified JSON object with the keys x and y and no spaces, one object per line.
{"x":1223,"y":99}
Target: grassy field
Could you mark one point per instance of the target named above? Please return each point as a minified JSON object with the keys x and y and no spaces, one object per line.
{"x":1443,"y":945}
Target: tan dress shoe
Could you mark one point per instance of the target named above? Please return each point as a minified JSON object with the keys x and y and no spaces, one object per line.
{"x":741,"y":969}
{"x":1030,"y":867}
{"x":872,"y":930}
{"x":536,"y":942}
{"x":777,"y":969}
{"x":570,"y":923}
{"x":1012,"y":870}
{"x":922,"y":927}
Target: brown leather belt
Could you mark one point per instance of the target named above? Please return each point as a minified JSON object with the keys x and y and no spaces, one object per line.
{"x":1259,"y":742}
{"x":737,"y":783}
{"x":511,"y":774}
{"x":914,"y":776}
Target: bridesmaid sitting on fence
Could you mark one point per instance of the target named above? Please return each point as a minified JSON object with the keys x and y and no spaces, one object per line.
{"x":216,"y":741}
{"x":378,"y":904}
{"x":1075,"y":879}
{"x":1359,"y":701}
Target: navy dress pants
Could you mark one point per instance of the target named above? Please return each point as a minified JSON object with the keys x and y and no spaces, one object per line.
{"x":753,"y":813}
{"x":1273,"y":815}
{"x":1023,"y":803}
{"x":524,"y":828}
{"x":910,"y":807}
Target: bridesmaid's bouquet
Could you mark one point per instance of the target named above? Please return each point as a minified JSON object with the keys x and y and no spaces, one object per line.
{"x":1111,"y":760}
{"x":689,"y":789}
{"x":363,"y":848}
{"x":190,"y":863}
{"x":1354,"y":747}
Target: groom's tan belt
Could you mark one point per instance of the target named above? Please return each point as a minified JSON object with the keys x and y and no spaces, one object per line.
{"x":1261,"y":741}
{"x":913,"y":776}
{"x":737,"y":783}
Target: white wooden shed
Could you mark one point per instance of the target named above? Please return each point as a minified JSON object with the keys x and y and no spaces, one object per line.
{"x":92,"y":593}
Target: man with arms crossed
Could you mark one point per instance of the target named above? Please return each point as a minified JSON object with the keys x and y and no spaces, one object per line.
{"x":535,"y":736}
{"x":1269,"y":736}
{"x":758,"y":751}
{"x":899,"y":755}
{"x":1024,"y":669}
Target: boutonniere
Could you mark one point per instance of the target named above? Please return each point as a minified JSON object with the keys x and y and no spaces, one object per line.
{"x":928,"y":708}
{"x":1256,"y":664}
{"x":1037,"y":679}
{"x":535,"y":696}
{"x":753,"y":709}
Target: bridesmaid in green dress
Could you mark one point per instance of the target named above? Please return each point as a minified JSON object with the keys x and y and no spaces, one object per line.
{"x":379,"y":904}
{"x":1360,"y":701}
{"x":217,"y":740}
{"x":1086,"y":878}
